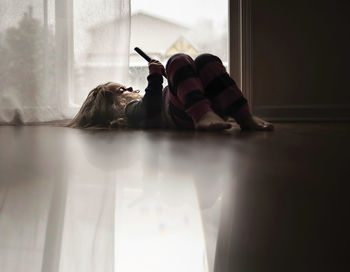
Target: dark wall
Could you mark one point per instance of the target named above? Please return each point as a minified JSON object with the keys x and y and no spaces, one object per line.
{"x":301,"y":55}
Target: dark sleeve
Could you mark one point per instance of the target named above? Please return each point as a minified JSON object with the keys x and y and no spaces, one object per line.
{"x":146,"y":113}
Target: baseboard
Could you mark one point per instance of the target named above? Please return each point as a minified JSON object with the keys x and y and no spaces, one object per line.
{"x":303,"y":113}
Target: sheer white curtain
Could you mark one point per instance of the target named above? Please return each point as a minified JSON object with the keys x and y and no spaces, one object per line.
{"x":52,"y":52}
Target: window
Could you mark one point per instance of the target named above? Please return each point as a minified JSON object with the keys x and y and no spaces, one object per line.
{"x":163,"y":28}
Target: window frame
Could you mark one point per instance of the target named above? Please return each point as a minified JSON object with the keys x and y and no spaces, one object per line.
{"x":240,"y":46}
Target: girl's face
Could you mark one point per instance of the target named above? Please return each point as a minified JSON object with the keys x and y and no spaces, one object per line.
{"x":117,"y":88}
{"x":119,"y":96}
{"x":104,"y":104}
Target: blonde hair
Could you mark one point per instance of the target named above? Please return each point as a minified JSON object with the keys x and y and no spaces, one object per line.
{"x":103,"y":109}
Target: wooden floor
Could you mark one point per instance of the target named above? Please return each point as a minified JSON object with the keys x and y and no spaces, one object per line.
{"x":263,"y":201}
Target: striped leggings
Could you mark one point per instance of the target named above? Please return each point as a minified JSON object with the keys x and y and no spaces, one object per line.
{"x":202,"y":85}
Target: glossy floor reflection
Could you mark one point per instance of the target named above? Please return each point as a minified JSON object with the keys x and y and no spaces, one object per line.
{"x":74,"y":200}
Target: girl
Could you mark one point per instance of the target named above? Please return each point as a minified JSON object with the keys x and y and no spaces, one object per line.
{"x":200,"y":95}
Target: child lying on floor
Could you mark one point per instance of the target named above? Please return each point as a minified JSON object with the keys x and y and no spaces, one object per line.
{"x":200,"y":95}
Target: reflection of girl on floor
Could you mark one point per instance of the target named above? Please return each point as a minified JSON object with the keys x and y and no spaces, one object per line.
{"x":200,"y":95}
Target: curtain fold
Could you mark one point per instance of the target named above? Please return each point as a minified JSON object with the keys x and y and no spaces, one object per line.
{"x":53,"y":52}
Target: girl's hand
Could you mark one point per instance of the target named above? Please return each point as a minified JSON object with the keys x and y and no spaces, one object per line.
{"x":155,"y":66}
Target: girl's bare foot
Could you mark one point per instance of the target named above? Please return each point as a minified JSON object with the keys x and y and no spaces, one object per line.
{"x":211,"y":121}
{"x":256,"y":123}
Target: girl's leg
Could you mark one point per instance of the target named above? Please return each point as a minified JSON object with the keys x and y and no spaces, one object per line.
{"x":189,"y":106}
{"x":226,"y":98}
